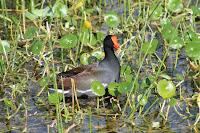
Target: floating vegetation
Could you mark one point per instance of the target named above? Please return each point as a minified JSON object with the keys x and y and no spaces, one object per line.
{"x":159,"y":88}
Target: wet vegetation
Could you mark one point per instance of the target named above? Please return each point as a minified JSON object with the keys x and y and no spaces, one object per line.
{"x":160,"y":65}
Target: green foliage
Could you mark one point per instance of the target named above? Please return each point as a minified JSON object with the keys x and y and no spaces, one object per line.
{"x":41,"y":12}
{"x":113,"y":88}
{"x":196,"y":11}
{"x":142,"y":99}
{"x":171,"y":35}
{"x":59,"y":9}
{"x":173,"y":102}
{"x":192,"y":47}
{"x":111,"y":19}
{"x":175,"y":5}
{"x":84,"y":58}
{"x":2,"y":66}
{"x":68,"y":41}
{"x":166,"y":89}
{"x":87,"y":38}
{"x":98,"y":88}
{"x":156,"y":11}
{"x":150,"y":47}
{"x":98,"y":54}
{"x":44,"y":81}
{"x":4,"y":46}
{"x":36,"y":47}
{"x":124,"y":87}
{"x":9,"y":103}
{"x":31,"y":32}
{"x":55,"y":98}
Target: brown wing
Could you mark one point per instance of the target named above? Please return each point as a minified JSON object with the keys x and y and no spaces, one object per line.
{"x":64,"y":78}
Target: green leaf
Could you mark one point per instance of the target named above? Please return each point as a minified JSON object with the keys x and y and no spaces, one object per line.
{"x":175,"y":5}
{"x":87,"y":38}
{"x":192,"y":49}
{"x":9,"y":103}
{"x":100,"y":37}
{"x":165,"y":76}
{"x":4,"y":46}
{"x":124,"y":87}
{"x":31,"y":16}
{"x":176,"y":43}
{"x":166,"y":89}
{"x":30,"y":32}
{"x":196,"y":11}
{"x":36,"y":47}
{"x":112,"y":88}
{"x":44,"y":81}
{"x":157,"y":11}
{"x":173,"y":102}
{"x":59,"y":9}
{"x":142,"y":99}
{"x":126,"y":71}
{"x":191,"y":36}
{"x":98,"y":88}
{"x":150,"y":47}
{"x":41,"y":12}
{"x":98,"y":54}
{"x":55,"y":98}
{"x":2,"y":66}
{"x":84,"y":58}
{"x":168,"y":31}
{"x":145,"y":83}
{"x":68,"y":41}
{"x":111,"y":19}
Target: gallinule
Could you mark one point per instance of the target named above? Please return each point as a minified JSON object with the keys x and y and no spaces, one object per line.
{"x":105,"y":71}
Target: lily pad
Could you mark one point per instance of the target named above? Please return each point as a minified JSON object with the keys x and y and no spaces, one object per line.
{"x":111,"y":19}
{"x":9,"y":103}
{"x":142,"y":99}
{"x":157,"y":11}
{"x":124,"y":87}
{"x":196,"y":10}
{"x":4,"y":46}
{"x":36,"y":47}
{"x":112,"y":88}
{"x":98,"y":88}
{"x":30,"y":32}
{"x":176,"y":43}
{"x":173,"y":102}
{"x":31,"y":16}
{"x":168,"y":31}
{"x":166,"y":89}
{"x":175,"y":5}
{"x":150,"y":47}
{"x":192,"y":49}
{"x":59,"y":9}
{"x":41,"y":12}
{"x":55,"y":98}
{"x":87,"y":38}
{"x":44,"y":81}
{"x":98,"y":54}
{"x":68,"y":41}
{"x":84,"y":58}
{"x":100,"y":37}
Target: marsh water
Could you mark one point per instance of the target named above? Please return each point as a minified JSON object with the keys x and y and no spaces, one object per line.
{"x":38,"y":117}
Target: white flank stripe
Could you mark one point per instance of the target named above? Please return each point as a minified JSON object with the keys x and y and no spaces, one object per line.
{"x":60,"y":91}
{"x":83,"y":91}
{"x":105,"y":84}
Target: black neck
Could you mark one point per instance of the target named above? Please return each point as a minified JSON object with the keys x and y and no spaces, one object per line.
{"x":109,"y":54}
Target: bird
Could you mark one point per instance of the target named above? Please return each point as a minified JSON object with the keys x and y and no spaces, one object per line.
{"x":105,"y":71}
